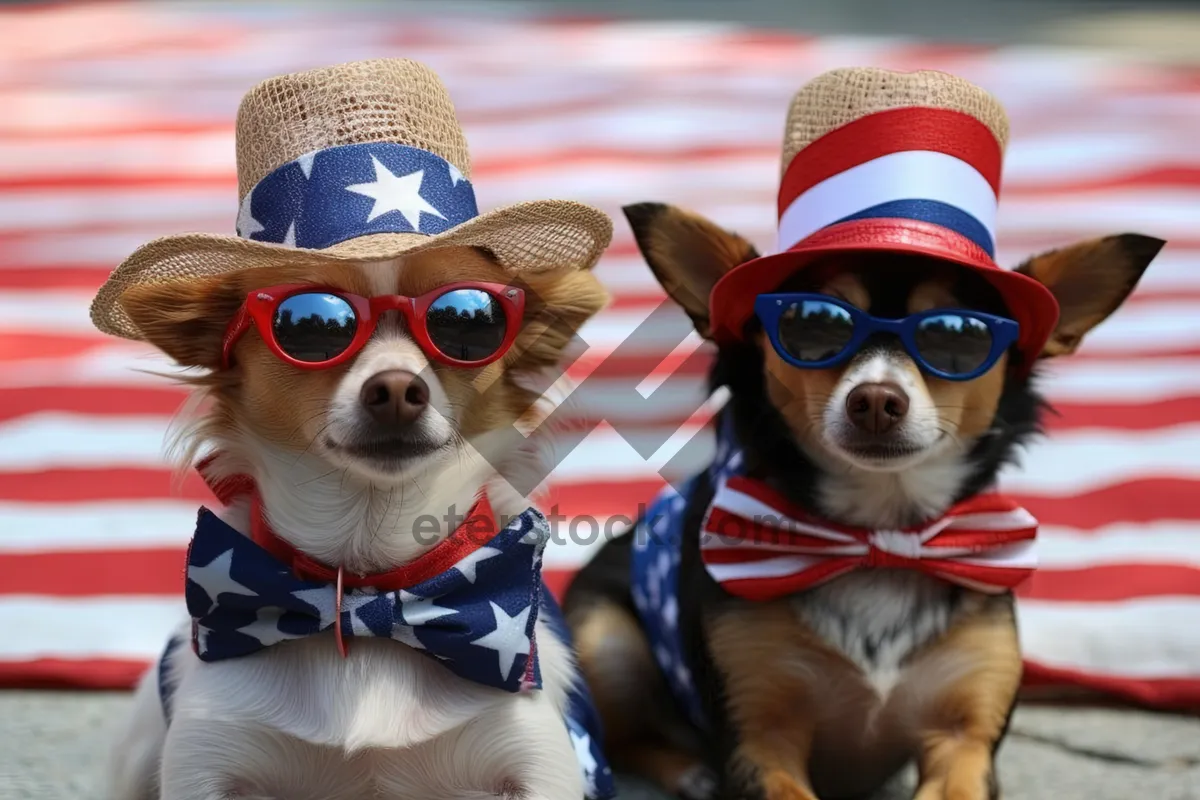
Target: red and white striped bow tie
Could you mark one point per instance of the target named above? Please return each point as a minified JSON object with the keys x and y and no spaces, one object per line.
{"x":759,"y":546}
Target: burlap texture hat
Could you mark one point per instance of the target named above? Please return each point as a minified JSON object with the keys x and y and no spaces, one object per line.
{"x":881,"y":161}
{"x":359,"y":162}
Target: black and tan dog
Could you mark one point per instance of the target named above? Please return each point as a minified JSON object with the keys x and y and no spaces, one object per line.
{"x":831,"y":599}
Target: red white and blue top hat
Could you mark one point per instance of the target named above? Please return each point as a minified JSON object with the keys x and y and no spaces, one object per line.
{"x":876,"y":160}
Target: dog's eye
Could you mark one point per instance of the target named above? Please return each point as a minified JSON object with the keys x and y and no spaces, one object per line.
{"x":314,"y":326}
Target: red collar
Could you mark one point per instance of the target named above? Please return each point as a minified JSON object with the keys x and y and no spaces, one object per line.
{"x":480,"y":520}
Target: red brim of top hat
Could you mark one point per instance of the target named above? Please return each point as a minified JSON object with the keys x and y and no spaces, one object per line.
{"x":1030,"y":304}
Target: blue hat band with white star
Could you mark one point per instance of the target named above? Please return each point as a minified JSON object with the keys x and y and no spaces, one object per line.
{"x":339,"y":193}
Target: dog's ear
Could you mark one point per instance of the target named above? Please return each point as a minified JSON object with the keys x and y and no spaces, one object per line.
{"x":687,"y":253}
{"x":1091,"y":280}
{"x":186,"y":319}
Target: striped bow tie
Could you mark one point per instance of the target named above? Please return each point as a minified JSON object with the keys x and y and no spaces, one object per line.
{"x":759,"y":546}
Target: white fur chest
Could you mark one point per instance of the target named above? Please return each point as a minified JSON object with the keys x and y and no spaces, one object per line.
{"x":878,"y":618}
{"x":383,"y":695}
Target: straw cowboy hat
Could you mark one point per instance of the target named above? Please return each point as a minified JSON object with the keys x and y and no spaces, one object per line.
{"x":360,"y":162}
{"x":883,"y":161}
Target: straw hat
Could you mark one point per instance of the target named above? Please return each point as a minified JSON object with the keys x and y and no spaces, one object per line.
{"x":360,"y":162}
{"x":876,"y":160}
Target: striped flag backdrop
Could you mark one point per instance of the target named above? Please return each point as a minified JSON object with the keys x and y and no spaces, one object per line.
{"x":118,"y":127}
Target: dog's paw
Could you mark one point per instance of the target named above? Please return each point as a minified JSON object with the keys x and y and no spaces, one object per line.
{"x":959,"y":790}
{"x":779,"y":785}
{"x":697,"y":783}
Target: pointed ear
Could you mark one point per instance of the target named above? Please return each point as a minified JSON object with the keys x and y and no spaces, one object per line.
{"x":1090,"y":280}
{"x":186,"y":319}
{"x":687,"y":253}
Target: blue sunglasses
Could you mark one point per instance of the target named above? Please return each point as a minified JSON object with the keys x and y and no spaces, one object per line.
{"x":815,"y":331}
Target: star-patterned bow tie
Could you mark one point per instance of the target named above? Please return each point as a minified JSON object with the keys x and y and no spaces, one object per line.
{"x":759,"y":546}
{"x":477,"y":591}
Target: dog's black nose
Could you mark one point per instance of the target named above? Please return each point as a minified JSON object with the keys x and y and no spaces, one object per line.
{"x":394,"y":397}
{"x":876,"y":407}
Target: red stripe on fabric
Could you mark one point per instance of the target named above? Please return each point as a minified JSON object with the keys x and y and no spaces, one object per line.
{"x":982,"y":540}
{"x":976,"y":574}
{"x":1143,"y":500}
{"x":1167,"y":497}
{"x":21,"y":345}
{"x":1113,"y":582}
{"x":763,"y":589}
{"x":127,"y":573}
{"x":82,"y":573}
{"x":90,"y":485}
{"x":887,"y":132}
{"x":108,"y":400}
{"x":1125,"y":416}
{"x":1176,"y":693}
{"x":57,"y":673}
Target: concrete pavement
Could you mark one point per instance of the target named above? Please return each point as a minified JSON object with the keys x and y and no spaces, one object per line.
{"x":52,"y":747}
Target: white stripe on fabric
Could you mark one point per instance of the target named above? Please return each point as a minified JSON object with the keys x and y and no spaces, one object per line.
{"x":1021,"y":555}
{"x":101,"y":525}
{"x":1072,"y":462}
{"x":743,"y":505}
{"x":1141,"y":638}
{"x":767,"y":568}
{"x":87,"y":627}
{"x":912,"y":175}
{"x":993,"y":520}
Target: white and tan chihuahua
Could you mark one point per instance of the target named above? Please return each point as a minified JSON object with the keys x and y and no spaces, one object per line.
{"x":367,"y":616}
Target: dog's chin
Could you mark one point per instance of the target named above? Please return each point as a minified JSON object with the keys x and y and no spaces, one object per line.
{"x":386,"y":457}
{"x":883,"y":454}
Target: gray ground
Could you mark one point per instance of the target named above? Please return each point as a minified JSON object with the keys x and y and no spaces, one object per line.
{"x":52,"y":744}
{"x":52,"y":748}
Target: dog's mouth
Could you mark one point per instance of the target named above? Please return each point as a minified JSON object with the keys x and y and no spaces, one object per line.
{"x":888,"y":454}
{"x":388,"y":453}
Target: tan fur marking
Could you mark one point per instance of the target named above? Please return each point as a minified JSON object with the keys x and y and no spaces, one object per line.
{"x":848,"y":286}
{"x":969,"y":406}
{"x":960,"y":726}
{"x":800,"y":395}
{"x":767,"y":660}
{"x":931,"y":294}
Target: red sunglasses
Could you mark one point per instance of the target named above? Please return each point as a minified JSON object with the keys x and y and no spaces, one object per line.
{"x":467,"y":324}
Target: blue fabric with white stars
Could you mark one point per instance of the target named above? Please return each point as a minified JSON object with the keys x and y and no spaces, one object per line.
{"x":340,"y":193}
{"x":583,"y":721}
{"x":476,"y":618}
{"x":654,"y":568}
